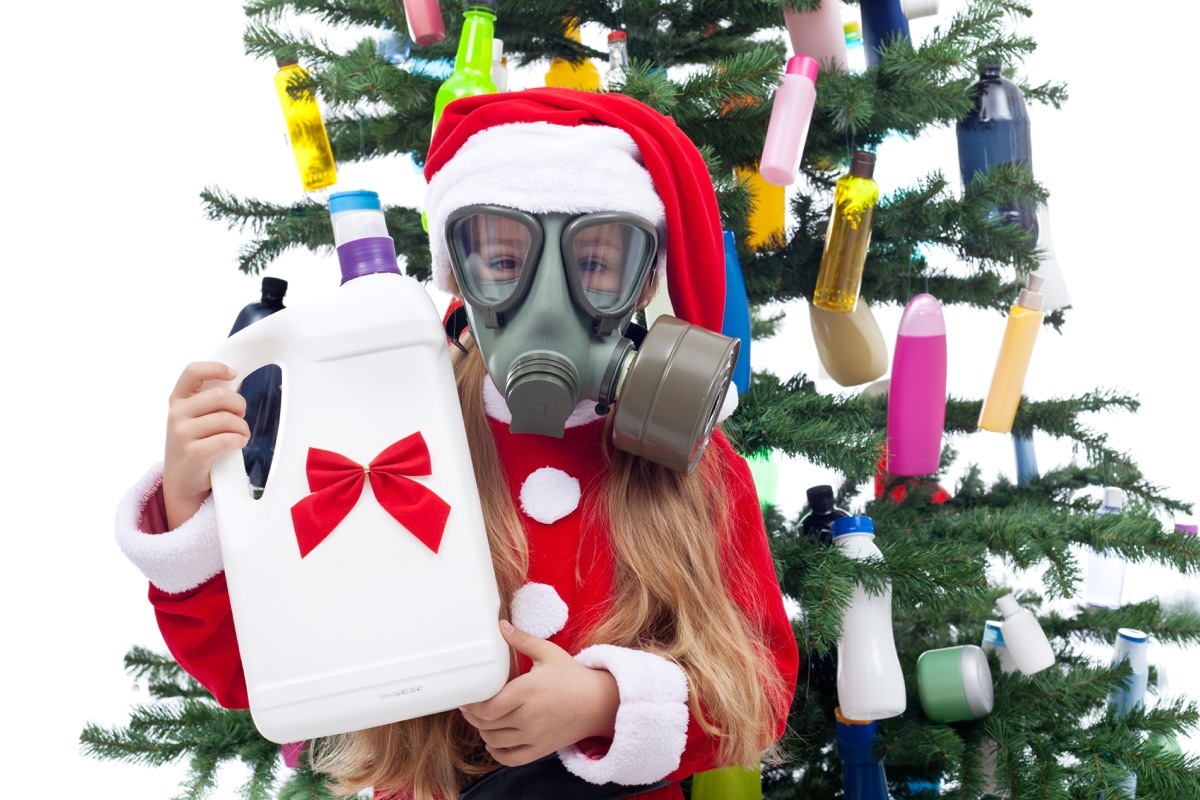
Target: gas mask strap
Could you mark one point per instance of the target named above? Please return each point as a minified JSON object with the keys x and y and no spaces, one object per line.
{"x":455,"y":324}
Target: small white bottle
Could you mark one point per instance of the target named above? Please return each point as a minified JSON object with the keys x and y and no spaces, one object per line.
{"x":1024,"y":637}
{"x":870,"y":684}
{"x":499,"y":66}
{"x":1106,"y":573}
{"x":787,"y":130}
{"x":618,"y":61}
{"x":1130,"y":646}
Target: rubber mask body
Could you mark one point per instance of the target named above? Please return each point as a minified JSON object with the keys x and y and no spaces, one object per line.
{"x":545,"y":358}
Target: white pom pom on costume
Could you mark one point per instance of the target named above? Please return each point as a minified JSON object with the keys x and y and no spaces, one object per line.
{"x":549,"y":494}
{"x":537,"y":609}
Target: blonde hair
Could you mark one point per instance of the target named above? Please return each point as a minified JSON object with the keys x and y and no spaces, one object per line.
{"x":670,"y":597}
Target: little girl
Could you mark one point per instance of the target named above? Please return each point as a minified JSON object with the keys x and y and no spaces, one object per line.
{"x":640,"y":600}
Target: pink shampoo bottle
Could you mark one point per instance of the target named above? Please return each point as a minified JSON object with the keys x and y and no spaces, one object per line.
{"x":791,"y":113}
{"x":917,"y":390}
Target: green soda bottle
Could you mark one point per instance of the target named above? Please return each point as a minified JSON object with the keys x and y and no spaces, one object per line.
{"x":473,"y":65}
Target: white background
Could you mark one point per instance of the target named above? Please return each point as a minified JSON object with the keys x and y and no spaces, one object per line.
{"x":119,"y":113}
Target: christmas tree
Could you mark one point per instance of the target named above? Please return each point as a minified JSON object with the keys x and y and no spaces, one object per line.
{"x":714,"y":68}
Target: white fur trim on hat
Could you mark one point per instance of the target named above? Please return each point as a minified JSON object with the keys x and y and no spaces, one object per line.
{"x":538,"y":609}
{"x":541,"y":168}
{"x":652,"y":718}
{"x":549,"y":494}
{"x":177,"y":560}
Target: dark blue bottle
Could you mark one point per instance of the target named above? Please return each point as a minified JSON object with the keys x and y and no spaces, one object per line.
{"x":862,"y":771}
{"x":997,"y":132}
{"x":736,"y":322}
{"x":262,"y":390}
{"x":883,"y":22}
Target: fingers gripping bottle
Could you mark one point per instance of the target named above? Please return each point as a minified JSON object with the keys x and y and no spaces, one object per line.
{"x":361,"y":582}
{"x":870,"y":684}
{"x":848,"y":236}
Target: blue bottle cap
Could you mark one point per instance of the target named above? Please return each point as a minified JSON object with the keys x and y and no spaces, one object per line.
{"x":352,"y":201}
{"x":1132,"y":635}
{"x":847,"y":525}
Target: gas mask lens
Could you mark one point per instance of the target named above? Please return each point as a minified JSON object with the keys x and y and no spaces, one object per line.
{"x":606,"y":256}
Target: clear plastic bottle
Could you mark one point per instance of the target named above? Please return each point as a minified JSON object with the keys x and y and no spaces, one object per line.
{"x":870,"y":683}
{"x":1106,"y":573}
{"x":848,"y":236}
{"x":261,"y":389}
{"x":305,"y":127}
{"x":1016,"y":350}
{"x":787,"y":129}
{"x":567,"y":74}
{"x":618,"y":61}
{"x":473,"y":63}
{"x":994,"y":132}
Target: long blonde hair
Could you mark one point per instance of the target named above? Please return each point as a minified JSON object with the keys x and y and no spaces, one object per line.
{"x":670,"y":596}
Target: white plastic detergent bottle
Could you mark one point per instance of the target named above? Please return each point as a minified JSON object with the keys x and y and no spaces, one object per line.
{"x":361,"y":582}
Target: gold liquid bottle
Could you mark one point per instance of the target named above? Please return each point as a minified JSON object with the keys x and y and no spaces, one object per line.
{"x":1024,"y":320}
{"x":306,"y":129}
{"x":766,"y":214}
{"x":564,"y":74}
{"x":848,"y":236}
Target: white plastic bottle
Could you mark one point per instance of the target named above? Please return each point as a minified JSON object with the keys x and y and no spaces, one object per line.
{"x":499,"y":66}
{"x":870,"y":684}
{"x":791,"y":113}
{"x":1106,"y":573}
{"x":1024,"y":637}
{"x":391,"y":614}
{"x":1130,"y":646}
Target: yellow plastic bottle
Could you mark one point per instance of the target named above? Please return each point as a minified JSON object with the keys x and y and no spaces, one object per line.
{"x":1024,"y":320}
{"x":766,"y":215}
{"x":848,"y":236}
{"x":306,"y":129}
{"x":564,"y":74}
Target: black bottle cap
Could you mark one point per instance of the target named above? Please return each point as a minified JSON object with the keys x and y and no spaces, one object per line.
{"x":990,"y":67}
{"x":820,"y":498}
{"x":862,"y":164}
{"x":273,"y":288}
{"x":282,"y":62}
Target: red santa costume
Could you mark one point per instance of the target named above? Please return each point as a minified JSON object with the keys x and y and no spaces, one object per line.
{"x":523,"y":150}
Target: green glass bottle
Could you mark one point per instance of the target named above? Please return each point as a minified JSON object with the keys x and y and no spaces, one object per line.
{"x":848,"y":236}
{"x":473,"y":65}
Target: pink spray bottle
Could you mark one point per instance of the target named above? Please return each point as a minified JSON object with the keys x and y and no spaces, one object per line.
{"x":917,"y":390}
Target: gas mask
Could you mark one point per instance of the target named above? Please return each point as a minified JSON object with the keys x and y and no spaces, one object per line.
{"x":549,"y":301}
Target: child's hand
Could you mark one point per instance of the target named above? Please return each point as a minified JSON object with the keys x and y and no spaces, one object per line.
{"x":201,"y":425}
{"x":555,"y":704}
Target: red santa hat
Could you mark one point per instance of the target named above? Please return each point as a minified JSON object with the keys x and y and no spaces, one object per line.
{"x":562,"y":150}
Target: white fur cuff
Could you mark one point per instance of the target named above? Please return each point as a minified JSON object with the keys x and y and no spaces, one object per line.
{"x":175,"y":561}
{"x":652,"y":719}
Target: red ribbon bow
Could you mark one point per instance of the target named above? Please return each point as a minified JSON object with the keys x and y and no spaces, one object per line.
{"x":336,"y":483}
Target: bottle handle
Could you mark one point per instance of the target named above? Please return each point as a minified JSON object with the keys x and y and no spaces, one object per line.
{"x":249,"y":349}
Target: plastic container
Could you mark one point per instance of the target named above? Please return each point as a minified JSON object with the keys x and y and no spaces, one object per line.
{"x":996,"y":131}
{"x":856,"y":53}
{"x":1024,"y":637}
{"x":818,"y":34}
{"x":1027,"y":468}
{"x":473,"y":62}
{"x":566,"y":74}
{"x":1016,"y":350}
{"x":989,"y":749}
{"x":955,"y":684}
{"x":1131,"y":646}
{"x":916,"y":411}
{"x":883,"y":22}
{"x":425,"y":23}
{"x":1054,"y":288}
{"x":618,"y":61}
{"x":306,"y":129}
{"x":848,"y":236}
{"x":850,"y":346}
{"x":727,"y":783}
{"x":261,"y":389}
{"x":767,"y":214}
{"x":499,"y":66}
{"x":993,"y":641}
{"x":817,"y":523}
{"x":735,"y":322}
{"x":791,"y":113}
{"x":1106,"y":573}
{"x":915,"y":9}
{"x":380,"y":620}
{"x":870,"y":684}
{"x":863,"y":776}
